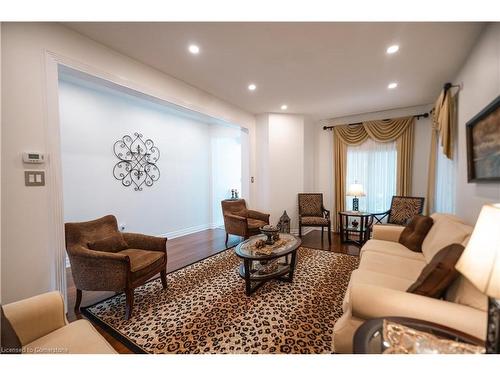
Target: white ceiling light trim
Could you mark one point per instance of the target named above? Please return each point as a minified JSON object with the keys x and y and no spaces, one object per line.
{"x":252,"y":87}
{"x":284,"y":107}
{"x":392,"y":85}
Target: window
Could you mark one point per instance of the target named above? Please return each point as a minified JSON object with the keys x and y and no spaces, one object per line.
{"x":444,"y":195}
{"x":373,"y":165}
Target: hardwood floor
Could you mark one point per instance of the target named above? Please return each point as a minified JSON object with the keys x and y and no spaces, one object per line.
{"x":185,"y":250}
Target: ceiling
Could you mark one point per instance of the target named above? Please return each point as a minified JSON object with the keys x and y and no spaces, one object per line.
{"x":319,"y":69}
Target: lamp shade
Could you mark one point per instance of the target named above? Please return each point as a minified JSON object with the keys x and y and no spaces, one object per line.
{"x":480,"y":261}
{"x":355,"y":190}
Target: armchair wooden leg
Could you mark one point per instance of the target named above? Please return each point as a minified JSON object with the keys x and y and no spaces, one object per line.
{"x":330,"y":234}
{"x":322,"y":232}
{"x":163,"y":277}
{"x":227,"y":238}
{"x":129,"y":293}
{"x":300,"y":231}
{"x":78,"y":300}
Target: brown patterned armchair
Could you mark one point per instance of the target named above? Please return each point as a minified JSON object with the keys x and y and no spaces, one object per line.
{"x":402,"y":210}
{"x":119,"y":261}
{"x":240,"y":221}
{"x":312,"y":213}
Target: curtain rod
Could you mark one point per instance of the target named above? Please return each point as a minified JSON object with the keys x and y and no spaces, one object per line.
{"x":424,"y":115}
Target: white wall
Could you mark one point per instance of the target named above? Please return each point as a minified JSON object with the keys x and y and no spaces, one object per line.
{"x":480,"y":79}
{"x":280,"y":155}
{"x":25,"y":235}
{"x":93,"y":118}
{"x":323,"y":153}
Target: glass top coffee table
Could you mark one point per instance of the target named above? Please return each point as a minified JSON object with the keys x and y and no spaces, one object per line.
{"x":275,"y":261}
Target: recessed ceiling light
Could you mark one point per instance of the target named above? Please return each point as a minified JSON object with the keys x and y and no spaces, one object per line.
{"x":252,"y":87}
{"x":392,"y":85}
{"x":284,"y":107}
{"x":393,"y":49}
{"x":194,"y":49}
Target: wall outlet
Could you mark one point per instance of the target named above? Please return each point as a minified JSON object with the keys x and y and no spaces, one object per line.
{"x":122,"y":227}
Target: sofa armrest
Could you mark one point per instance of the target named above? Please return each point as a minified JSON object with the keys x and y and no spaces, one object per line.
{"x":258,"y":215}
{"x":37,"y":316}
{"x":98,"y":270}
{"x":145,"y":242}
{"x":387,"y":232}
{"x":370,"y":302}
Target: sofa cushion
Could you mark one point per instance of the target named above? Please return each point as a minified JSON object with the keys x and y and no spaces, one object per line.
{"x":112,"y":243}
{"x":438,"y":275}
{"x":392,"y":265}
{"x":463,"y":292}
{"x":141,"y":261}
{"x":79,"y":337}
{"x":9,"y":342}
{"x":414,"y":234}
{"x":390,"y":248}
{"x":447,"y":229}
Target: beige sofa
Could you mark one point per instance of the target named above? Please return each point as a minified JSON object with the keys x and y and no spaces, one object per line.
{"x":387,"y":268}
{"x":42,"y":328}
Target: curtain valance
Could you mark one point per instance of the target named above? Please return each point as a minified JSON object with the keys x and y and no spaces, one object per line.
{"x":379,"y":130}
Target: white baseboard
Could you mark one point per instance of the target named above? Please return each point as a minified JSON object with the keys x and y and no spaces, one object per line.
{"x":295,"y":231}
{"x":186,"y":231}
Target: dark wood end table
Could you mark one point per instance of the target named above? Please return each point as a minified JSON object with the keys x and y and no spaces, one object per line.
{"x":253,"y":268}
{"x":362,"y":230}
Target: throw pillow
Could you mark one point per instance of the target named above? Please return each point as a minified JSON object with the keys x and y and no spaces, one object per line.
{"x":439,"y":274}
{"x":112,"y":244}
{"x":10,"y":343}
{"x":414,"y":234}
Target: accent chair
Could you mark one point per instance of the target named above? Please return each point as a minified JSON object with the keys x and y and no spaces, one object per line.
{"x":402,"y":210}
{"x":241,"y":221}
{"x":312,"y":213}
{"x":119,"y":261}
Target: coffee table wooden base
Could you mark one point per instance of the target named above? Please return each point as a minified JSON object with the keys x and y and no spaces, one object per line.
{"x":254,"y":280}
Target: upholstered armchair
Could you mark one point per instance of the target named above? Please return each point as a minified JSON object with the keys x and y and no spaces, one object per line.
{"x":402,"y":210}
{"x":312,"y":213}
{"x":240,"y":221}
{"x":104,"y":259}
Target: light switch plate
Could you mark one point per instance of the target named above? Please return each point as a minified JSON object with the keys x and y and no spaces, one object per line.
{"x":34,"y":178}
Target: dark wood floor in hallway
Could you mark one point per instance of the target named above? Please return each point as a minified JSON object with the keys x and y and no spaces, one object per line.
{"x":185,"y":250}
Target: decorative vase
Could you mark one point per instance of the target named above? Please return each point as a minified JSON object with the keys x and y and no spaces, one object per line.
{"x":269,"y":231}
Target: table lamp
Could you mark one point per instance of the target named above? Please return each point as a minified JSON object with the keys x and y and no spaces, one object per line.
{"x":480,"y":264}
{"x":355,"y":190}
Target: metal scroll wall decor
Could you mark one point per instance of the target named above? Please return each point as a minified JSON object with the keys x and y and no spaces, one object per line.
{"x":137,"y":159}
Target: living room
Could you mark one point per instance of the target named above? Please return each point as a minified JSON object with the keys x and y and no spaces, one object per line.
{"x":250,"y":187}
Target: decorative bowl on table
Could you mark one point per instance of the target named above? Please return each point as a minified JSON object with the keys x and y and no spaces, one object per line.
{"x":271,"y":232}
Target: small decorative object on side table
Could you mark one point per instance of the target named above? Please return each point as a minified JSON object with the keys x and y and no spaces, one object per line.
{"x":397,"y":335}
{"x":480,"y":264}
{"x":360,"y":229}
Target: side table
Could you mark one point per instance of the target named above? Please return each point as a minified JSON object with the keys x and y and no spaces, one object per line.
{"x":361,"y":230}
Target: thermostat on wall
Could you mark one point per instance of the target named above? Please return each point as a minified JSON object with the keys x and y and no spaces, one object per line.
{"x":33,"y":157}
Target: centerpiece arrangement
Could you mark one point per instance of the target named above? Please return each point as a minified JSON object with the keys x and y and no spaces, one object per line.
{"x":271,"y":232}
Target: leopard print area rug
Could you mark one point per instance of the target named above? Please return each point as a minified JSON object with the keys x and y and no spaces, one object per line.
{"x":205,"y":309}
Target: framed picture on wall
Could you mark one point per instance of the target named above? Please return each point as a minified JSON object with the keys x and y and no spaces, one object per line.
{"x":483,"y":144}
